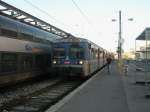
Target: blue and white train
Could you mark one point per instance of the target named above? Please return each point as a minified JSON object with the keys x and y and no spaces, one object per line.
{"x":25,"y":51}
{"x":77,"y":57}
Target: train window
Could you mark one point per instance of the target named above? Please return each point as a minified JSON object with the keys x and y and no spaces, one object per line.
{"x":59,"y":53}
{"x":50,"y":37}
{"x":27,"y":36}
{"x":47,"y":38}
{"x":26,"y":32}
{"x":93,"y":53}
{"x":8,"y":24}
{"x":40,"y":34}
{"x":44,"y":41}
{"x":9,"y":33}
{"x":97,"y":56}
{"x":9,"y":62}
{"x":37,"y":40}
{"x":48,"y":41}
{"x":8,"y":28}
{"x":76,"y":53}
{"x":101,"y":54}
{"x":89,"y":46}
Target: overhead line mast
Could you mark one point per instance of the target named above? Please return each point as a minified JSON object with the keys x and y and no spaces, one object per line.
{"x":17,"y":14}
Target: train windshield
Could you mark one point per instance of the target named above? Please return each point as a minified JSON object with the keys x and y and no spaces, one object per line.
{"x":59,"y":53}
{"x":76,"y":53}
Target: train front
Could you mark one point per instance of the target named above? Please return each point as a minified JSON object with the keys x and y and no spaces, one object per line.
{"x":68,"y":58}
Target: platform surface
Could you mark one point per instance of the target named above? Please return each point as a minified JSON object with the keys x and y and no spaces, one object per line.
{"x":111,"y":91}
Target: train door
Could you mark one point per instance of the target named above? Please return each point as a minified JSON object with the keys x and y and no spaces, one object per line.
{"x":99,"y":59}
{"x":103,"y":57}
{"x":86,"y":64}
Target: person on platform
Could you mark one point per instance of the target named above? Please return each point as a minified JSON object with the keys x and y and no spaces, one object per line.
{"x":109,"y":60}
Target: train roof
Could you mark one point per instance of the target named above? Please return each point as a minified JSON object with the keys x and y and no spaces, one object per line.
{"x":71,"y":40}
{"x":19,"y":15}
{"x":77,"y":39}
{"x":8,"y":23}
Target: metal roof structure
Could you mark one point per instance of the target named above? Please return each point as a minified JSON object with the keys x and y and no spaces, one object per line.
{"x":17,"y":14}
{"x":145,"y":35}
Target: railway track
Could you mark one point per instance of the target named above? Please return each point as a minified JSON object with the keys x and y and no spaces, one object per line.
{"x":38,"y":100}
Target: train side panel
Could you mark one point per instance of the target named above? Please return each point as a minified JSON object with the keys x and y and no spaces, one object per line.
{"x":95,"y":61}
{"x":25,"y":51}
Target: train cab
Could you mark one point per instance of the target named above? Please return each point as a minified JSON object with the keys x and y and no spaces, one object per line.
{"x":68,"y":57}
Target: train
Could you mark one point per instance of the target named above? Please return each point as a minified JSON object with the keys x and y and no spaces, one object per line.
{"x":30,"y":47}
{"x":25,"y":51}
{"x":77,"y":57}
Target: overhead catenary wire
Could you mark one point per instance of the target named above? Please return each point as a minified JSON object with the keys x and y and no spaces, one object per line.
{"x":52,"y":17}
{"x":84,"y":16}
{"x":81,"y":12}
{"x":61,"y":23}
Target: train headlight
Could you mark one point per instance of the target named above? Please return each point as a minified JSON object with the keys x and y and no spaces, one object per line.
{"x":80,"y":62}
{"x":54,"y":62}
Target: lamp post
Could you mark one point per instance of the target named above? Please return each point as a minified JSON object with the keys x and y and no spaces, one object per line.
{"x":119,"y":48}
{"x":120,"y":42}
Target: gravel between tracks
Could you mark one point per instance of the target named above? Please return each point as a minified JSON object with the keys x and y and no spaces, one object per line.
{"x":10,"y":94}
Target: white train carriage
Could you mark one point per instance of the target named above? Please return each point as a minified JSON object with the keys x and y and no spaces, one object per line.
{"x":25,"y":51}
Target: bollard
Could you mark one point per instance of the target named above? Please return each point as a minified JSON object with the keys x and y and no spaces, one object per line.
{"x":125,"y":69}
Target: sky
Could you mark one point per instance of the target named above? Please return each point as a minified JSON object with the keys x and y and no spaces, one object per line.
{"x":94,"y":22}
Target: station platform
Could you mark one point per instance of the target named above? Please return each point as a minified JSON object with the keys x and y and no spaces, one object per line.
{"x":111,"y":91}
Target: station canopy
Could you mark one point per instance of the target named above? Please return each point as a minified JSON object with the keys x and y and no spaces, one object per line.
{"x":145,"y":35}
